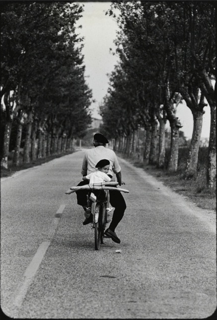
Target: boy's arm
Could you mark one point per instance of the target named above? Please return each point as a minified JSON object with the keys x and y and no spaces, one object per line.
{"x":107,"y":178}
{"x":87,"y":177}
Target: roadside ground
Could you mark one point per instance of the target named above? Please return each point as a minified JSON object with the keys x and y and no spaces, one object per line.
{"x":194,"y":189}
{"x":23,"y":166}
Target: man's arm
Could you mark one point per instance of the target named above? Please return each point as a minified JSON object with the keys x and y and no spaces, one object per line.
{"x":84,"y":166}
{"x":116,"y":166}
{"x":117,"y":170}
{"x":119,"y":178}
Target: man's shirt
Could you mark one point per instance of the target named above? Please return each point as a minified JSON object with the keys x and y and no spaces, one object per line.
{"x":96,"y":154}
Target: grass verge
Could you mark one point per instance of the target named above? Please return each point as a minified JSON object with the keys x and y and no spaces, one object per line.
{"x":193,"y":189}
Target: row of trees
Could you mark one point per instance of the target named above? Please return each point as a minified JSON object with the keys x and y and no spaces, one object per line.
{"x":43,"y":87}
{"x":167,"y":53}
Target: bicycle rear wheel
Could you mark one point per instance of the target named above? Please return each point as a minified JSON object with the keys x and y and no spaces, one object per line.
{"x":103,"y":220}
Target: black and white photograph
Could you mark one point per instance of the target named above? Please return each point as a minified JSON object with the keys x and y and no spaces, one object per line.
{"x":108,"y":159}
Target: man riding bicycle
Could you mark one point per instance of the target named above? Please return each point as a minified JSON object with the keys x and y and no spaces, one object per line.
{"x":117,"y":201}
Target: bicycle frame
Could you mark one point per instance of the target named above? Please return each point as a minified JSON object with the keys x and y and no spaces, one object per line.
{"x":99,"y":212}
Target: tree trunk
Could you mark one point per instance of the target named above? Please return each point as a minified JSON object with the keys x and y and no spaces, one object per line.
{"x":121,"y":145}
{"x":7,"y":136}
{"x":26,"y":151}
{"x":59,"y":141}
{"x":115,"y":145}
{"x":48,"y":144}
{"x":18,"y":142}
{"x":126,"y":147}
{"x":130,"y":141}
{"x":44,"y":145}
{"x":56,"y":139}
{"x":209,"y":91}
{"x":34,"y":141}
{"x":175,"y":125}
{"x":132,"y":148}
{"x":174,"y":147}
{"x":59,"y":145}
{"x":73,"y":144}
{"x":118,"y":145}
{"x":192,"y":160}
{"x":53,"y":140}
{"x":136,"y":141}
{"x":69,"y":144}
{"x":64,"y":144}
{"x":40,"y":138}
{"x":211,"y":167}
{"x":136,"y":144}
{"x":124,"y":144}
{"x":153,"y":145}
{"x":196,"y":104}
{"x":147,"y":146}
{"x":161,"y":149}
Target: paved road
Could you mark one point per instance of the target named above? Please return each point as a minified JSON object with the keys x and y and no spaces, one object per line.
{"x":49,"y":268}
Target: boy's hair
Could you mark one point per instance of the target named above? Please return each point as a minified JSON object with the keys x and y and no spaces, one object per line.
{"x":102,"y":163}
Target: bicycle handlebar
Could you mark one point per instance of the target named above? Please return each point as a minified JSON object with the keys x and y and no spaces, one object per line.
{"x":111,"y":183}
{"x":96,"y":186}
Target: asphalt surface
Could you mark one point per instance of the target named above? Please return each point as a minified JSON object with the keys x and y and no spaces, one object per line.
{"x":165,"y":267}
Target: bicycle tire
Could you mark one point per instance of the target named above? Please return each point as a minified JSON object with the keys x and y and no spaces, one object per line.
{"x":97,"y":232}
{"x":103,"y":219}
{"x":97,"y":235}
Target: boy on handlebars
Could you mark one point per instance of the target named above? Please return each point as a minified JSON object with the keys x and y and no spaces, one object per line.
{"x":100,"y":175}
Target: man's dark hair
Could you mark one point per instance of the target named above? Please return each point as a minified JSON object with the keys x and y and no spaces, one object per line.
{"x":100,"y":138}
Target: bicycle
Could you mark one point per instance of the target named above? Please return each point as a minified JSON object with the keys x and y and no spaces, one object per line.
{"x":98,"y":207}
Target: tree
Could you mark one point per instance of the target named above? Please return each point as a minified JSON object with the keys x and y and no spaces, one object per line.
{"x":40,"y":49}
{"x":175,"y":44}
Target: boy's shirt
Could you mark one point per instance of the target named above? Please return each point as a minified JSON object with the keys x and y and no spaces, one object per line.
{"x":97,"y":176}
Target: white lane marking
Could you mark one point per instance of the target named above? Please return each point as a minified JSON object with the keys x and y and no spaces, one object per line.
{"x":30,"y":273}
{"x":34,"y":265}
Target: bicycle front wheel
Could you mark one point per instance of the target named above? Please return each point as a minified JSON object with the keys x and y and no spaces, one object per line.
{"x":97,"y":228}
{"x":97,"y":235}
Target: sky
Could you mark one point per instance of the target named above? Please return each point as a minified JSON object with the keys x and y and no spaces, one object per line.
{"x":99,"y":32}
